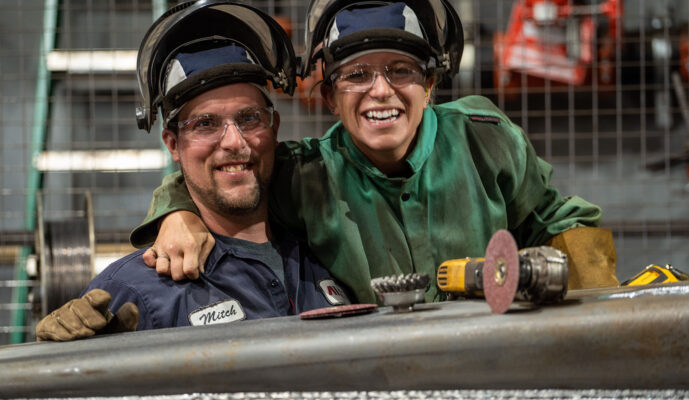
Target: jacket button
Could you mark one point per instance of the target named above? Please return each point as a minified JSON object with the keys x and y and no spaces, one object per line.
{"x":274,"y":283}
{"x":406,"y":196}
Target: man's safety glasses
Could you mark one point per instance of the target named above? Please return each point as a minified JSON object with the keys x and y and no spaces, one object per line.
{"x":211,"y":128}
{"x":360,"y":77}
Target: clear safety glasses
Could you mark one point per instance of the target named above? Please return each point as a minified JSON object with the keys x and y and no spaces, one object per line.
{"x":359,"y":78}
{"x":211,"y":128}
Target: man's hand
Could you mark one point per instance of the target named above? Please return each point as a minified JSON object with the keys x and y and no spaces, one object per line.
{"x":182,"y":246}
{"x":85,"y":317}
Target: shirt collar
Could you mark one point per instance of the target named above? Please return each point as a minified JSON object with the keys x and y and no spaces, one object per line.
{"x":285,"y":242}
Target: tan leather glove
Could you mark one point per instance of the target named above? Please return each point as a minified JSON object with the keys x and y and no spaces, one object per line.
{"x":591,"y":255}
{"x":85,"y":317}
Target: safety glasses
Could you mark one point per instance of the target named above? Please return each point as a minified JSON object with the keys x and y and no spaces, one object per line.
{"x":211,"y":128}
{"x":359,"y":78}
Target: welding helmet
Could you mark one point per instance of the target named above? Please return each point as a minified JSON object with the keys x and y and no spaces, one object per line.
{"x":201,"y":45}
{"x":340,"y":30}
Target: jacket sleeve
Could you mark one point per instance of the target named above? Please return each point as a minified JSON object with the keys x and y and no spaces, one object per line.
{"x":171,"y":195}
{"x":538,"y":215}
{"x":549,"y":213}
{"x":503,"y":153}
{"x":294,"y":161}
{"x":536,"y":209}
{"x":567,"y":223}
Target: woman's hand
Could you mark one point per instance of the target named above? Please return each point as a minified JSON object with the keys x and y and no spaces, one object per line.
{"x":182,"y":246}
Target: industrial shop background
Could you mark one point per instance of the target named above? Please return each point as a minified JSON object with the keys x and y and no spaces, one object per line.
{"x":600,"y":87}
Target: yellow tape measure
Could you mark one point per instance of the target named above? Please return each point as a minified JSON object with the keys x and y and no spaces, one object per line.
{"x":654,"y":274}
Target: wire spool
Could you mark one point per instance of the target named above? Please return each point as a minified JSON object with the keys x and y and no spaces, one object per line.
{"x":66,"y":256}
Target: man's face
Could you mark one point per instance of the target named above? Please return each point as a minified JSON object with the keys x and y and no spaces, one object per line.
{"x":226,"y":173}
{"x":383,"y":120}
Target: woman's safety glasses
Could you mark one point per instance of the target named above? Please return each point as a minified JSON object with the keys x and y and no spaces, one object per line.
{"x":211,"y":128}
{"x":359,"y":78}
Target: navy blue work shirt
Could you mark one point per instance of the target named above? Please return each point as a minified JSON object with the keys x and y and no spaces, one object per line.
{"x":236,"y":286}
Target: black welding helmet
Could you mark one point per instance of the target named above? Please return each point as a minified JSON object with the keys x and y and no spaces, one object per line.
{"x":340,"y":30}
{"x":201,"y":45}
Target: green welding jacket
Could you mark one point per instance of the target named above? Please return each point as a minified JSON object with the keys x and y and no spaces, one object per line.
{"x":473,"y":172}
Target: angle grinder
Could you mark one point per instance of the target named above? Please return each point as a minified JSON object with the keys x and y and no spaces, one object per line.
{"x":535,"y":274}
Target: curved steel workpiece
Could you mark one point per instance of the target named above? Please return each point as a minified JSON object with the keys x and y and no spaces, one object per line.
{"x":591,"y":340}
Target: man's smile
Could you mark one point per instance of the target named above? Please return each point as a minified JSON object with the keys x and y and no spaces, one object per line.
{"x":234,"y":167}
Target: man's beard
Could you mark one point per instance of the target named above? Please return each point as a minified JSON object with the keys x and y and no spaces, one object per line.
{"x":228,"y":206}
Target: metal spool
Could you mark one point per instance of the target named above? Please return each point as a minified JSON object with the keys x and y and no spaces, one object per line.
{"x":66,"y":252}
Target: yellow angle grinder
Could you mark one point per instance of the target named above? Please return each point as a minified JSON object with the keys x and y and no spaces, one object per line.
{"x":536,"y":274}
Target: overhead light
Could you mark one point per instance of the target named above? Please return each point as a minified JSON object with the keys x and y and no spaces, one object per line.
{"x":102,"y":160}
{"x":468,"y":57}
{"x":86,"y":61}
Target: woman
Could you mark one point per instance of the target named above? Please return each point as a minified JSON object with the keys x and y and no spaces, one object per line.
{"x":397,"y":185}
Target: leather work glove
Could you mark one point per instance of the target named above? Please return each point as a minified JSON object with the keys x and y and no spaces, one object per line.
{"x":85,"y":317}
{"x":591,"y":255}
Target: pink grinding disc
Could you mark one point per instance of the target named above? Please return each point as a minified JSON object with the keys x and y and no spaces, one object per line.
{"x":501,"y":271}
{"x":338,"y":311}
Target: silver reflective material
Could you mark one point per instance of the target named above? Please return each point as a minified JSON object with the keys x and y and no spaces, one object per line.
{"x":665,"y":290}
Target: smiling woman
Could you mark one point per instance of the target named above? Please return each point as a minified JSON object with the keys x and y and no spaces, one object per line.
{"x":383,"y":112}
{"x":398,"y":185}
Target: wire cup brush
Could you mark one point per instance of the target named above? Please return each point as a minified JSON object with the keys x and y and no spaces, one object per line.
{"x":402,"y":291}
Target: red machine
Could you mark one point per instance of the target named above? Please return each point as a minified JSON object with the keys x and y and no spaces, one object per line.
{"x":684,"y":54}
{"x":559,"y":40}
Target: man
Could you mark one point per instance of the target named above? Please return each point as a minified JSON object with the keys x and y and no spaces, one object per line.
{"x":221,"y":128}
{"x":399,"y":185}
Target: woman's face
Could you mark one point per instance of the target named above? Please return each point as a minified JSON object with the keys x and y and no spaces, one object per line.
{"x":382,"y":120}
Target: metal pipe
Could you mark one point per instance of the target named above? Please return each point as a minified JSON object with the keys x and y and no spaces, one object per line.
{"x":28,"y":238}
{"x":632,"y":338}
{"x":33,"y":181}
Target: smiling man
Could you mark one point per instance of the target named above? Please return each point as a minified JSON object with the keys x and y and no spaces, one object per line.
{"x":225,"y":143}
{"x":221,"y":128}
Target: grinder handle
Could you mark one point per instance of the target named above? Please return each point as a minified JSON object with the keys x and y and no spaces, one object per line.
{"x":462,"y":276}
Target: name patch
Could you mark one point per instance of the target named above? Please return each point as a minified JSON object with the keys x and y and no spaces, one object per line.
{"x":219,"y":313}
{"x":333,"y":293}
